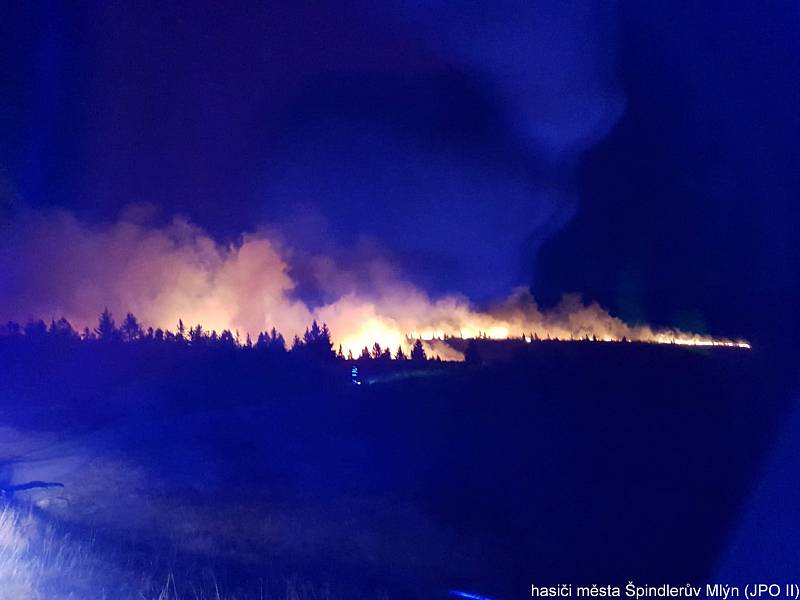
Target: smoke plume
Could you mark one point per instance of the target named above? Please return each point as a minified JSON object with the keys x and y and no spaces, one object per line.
{"x":54,"y":265}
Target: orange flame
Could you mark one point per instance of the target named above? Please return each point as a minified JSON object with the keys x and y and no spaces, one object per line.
{"x":162,"y":274}
{"x":399,"y":320}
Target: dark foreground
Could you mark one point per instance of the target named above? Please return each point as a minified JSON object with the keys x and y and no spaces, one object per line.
{"x":573,"y":463}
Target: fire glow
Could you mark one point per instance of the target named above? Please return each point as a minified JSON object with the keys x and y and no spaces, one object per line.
{"x":62,"y":267}
{"x":517,"y":318}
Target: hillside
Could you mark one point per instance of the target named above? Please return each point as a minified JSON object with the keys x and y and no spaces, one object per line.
{"x":573,"y":462}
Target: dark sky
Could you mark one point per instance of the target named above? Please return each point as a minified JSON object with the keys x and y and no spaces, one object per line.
{"x":650,"y":146}
{"x":689,"y":208}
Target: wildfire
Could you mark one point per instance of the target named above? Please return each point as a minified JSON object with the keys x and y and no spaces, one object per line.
{"x":387,"y":337}
{"x":177,"y":272}
{"x":399,"y":322}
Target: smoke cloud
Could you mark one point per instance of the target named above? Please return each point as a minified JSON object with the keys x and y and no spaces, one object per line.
{"x":462,"y":170}
{"x":554,"y":62}
{"x":54,"y":265}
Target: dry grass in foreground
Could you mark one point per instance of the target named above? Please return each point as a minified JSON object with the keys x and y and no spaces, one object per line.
{"x":42,"y":560}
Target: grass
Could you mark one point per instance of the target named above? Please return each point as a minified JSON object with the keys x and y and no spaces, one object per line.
{"x":41,"y":559}
{"x":38,"y":561}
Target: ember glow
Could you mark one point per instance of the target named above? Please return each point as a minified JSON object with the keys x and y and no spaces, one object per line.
{"x":58,"y":266}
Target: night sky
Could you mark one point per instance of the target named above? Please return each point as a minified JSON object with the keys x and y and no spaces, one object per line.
{"x":640,"y":153}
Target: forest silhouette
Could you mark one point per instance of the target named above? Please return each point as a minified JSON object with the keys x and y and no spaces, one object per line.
{"x":315,"y":345}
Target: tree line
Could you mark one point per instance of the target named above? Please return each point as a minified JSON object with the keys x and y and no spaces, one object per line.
{"x":315,"y":343}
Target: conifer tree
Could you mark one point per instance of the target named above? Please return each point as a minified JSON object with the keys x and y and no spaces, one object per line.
{"x":418,"y":352}
{"x":130,"y":331}
{"x":106,"y":327}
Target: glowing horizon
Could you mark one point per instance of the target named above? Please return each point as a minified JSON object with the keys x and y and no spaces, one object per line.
{"x":163,"y":274}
